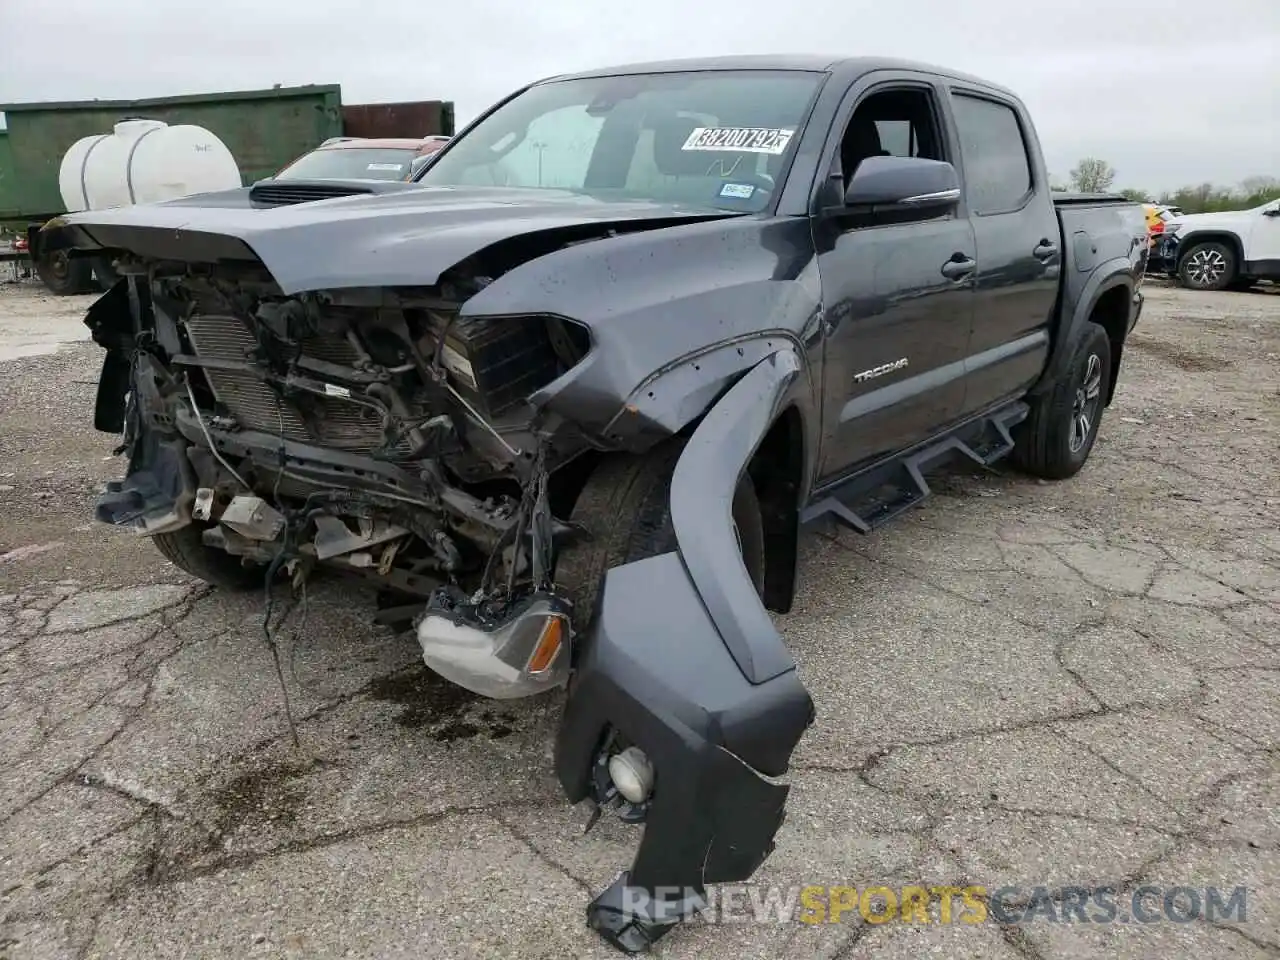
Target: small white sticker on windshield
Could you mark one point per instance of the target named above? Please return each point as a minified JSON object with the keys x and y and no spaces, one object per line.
{"x":739,"y":191}
{"x":385,"y":166}
{"x":772,"y":140}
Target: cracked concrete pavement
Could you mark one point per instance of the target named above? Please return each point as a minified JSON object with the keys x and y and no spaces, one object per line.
{"x":1018,"y":683}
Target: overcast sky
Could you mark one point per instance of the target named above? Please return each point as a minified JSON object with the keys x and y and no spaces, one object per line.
{"x":1171,"y":93}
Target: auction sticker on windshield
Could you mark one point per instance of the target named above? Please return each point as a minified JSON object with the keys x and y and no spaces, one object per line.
{"x":772,"y":140}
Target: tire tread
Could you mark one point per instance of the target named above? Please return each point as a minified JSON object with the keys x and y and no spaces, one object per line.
{"x":1041,"y":442}
{"x":186,"y":551}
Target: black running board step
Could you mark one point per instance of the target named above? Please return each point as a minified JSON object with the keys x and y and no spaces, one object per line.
{"x":880,"y":493}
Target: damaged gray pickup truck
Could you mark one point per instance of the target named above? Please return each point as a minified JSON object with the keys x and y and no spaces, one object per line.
{"x":569,"y":398}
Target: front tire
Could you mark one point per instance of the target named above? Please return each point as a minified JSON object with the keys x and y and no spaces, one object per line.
{"x":1056,"y":438}
{"x":1208,"y":266}
{"x":625,"y":509}
{"x":185,"y":549}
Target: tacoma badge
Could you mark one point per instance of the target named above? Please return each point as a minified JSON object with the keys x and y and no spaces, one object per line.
{"x":879,"y":371}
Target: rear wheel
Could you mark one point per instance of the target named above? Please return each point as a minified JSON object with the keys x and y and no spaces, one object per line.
{"x":65,"y":275}
{"x":1056,"y":438}
{"x":1208,"y":266}
{"x":185,"y":549}
{"x":625,"y":508}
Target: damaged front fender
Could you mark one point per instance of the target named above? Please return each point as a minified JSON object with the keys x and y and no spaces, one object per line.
{"x":684,"y":663}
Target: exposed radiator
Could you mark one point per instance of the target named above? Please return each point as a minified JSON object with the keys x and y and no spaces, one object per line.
{"x":335,"y":422}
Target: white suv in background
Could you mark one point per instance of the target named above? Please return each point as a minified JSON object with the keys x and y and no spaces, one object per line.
{"x":1217,"y":251}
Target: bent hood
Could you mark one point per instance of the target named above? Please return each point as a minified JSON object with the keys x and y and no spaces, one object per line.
{"x":404,"y":237}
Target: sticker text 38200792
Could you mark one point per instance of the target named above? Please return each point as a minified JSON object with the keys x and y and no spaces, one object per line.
{"x":772,"y":140}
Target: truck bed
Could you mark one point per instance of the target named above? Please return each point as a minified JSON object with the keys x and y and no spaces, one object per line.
{"x":1098,"y":230}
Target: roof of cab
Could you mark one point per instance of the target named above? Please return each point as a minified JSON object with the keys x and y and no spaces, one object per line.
{"x":845,"y":66}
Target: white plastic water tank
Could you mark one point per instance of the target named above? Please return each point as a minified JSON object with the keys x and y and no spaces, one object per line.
{"x":142,"y":161}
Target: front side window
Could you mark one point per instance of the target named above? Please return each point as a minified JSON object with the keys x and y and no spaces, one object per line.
{"x":890,"y":123}
{"x":350,"y":163}
{"x":717,"y":139}
{"x":997,"y":170}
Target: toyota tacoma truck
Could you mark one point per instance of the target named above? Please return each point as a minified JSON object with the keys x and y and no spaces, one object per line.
{"x":570,"y":396}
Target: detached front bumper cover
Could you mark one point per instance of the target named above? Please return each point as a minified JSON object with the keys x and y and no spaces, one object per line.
{"x":685,"y":663}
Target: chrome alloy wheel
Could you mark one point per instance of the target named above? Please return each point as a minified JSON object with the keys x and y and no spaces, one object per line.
{"x":1205,"y":267}
{"x":1085,"y":408}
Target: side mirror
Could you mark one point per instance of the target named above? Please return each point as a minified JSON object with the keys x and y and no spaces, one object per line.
{"x":1273,"y":212}
{"x":904,"y":184}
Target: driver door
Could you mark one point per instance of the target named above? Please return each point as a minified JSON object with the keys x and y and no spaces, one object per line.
{"x":898,"y":298}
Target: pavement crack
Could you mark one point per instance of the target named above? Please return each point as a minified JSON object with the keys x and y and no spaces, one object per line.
{"x":845,"y":950}
{"x":91,"y":935}
{"x":528,"y":842}
{"x":1261,"y":943}
{"x":1060,"y":657}
{"x":1019,"y":942}
{"x":133,"y":794}
{"x":1085,"y":818}
{"x":1018,"y":726}
{"x":167,"y":875}
{"x":96,"y":841}
{"x":1114,"y":768}
{"x":1236,"y":732}
{"x":129,"y":618}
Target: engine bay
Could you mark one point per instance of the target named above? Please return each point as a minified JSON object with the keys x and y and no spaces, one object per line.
{"x":376,"y":432}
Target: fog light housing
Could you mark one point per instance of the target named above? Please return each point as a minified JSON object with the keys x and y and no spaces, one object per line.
{"x":632,"y":773}
{"x":516,"y":652}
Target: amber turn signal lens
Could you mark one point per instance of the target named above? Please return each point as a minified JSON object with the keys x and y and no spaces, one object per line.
{"x":544,"y":654}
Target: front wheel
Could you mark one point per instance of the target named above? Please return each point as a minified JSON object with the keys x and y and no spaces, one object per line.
{"x":1056,"y":438}
{"x":187,"y":551}
{"x":625,"y":509}
{"x":1208,"y":266}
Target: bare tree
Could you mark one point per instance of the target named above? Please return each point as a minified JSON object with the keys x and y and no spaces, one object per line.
{"x":1259,"y":186}
{"x":1092,"y":175}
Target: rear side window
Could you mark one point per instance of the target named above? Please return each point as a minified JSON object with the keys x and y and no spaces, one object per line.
{"x":996,"y":167}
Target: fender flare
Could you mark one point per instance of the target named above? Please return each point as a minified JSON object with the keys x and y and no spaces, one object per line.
{"x":683,"y":662}
{"x":1107,"y":276}
{"x":678,"y":394}
{"x":702,"y":487}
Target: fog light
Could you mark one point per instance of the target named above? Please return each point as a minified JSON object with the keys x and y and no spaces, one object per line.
{"x":632,"y":774}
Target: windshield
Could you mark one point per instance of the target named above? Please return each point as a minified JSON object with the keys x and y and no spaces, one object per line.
{"x":351,"y":163}
{"x":711,"y":138}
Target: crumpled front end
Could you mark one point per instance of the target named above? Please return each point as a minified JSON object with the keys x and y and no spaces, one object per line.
{"x":684,"y":666}
{"x":430,"y":437}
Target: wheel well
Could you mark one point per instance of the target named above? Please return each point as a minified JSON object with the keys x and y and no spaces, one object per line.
{"x":777,"y":470}
{"x":1111,"y":312}
{"x":1229,"y":239}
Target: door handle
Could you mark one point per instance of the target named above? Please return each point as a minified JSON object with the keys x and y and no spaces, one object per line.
{"x":1045,"y":250}
{"x":958,"y":267}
